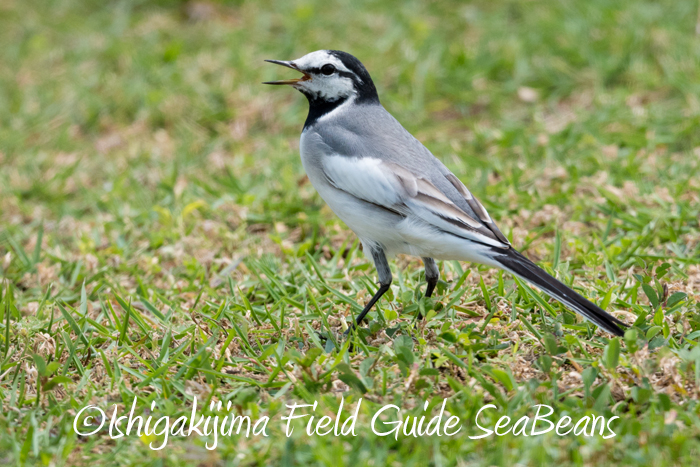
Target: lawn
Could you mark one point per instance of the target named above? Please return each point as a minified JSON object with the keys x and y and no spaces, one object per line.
{"x":159,"y":240}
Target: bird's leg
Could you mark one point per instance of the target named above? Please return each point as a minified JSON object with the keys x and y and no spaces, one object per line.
{"x":384,"y":273}
{"x":432,"y":274}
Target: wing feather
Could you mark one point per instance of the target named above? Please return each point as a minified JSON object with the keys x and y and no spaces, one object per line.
{"x":477,"y":207}
{"x":396,"y":188}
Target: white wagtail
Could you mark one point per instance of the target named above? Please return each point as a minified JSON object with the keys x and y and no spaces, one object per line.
{"x":392,"y":192}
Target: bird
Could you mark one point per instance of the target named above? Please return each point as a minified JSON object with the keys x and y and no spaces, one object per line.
{"x":389,"y":189}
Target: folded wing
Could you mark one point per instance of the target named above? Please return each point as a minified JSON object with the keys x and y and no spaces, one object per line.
{"x":393,"y":187}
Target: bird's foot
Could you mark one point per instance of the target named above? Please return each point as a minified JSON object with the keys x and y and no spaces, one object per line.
{"x":323,"y":336}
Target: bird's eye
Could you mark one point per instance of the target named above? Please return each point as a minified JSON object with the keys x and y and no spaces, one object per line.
{"x":328,"y":69}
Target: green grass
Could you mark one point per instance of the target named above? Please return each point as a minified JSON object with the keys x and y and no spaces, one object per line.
{"x":158,"y":237}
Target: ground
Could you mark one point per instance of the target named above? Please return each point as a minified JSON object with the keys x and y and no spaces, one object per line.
{"x":159,"y":239}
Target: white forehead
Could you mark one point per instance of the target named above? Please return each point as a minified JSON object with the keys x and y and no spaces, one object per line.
{"x":318,"y":59}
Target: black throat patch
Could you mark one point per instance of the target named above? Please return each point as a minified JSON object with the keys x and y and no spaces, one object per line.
{"x":320,"y":107}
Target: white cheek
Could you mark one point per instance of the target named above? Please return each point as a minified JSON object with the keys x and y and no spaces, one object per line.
{"x":329,"y":89}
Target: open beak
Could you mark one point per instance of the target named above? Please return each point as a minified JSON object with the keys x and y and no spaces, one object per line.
{"x":288,"y":65}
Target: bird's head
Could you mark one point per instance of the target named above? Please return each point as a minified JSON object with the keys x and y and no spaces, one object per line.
{"x":330,"y":76}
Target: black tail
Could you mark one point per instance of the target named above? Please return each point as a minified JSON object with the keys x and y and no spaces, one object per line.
{"x":515,"y":263}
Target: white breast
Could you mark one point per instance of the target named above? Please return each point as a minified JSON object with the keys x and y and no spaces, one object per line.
{"x":369,"y":222}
